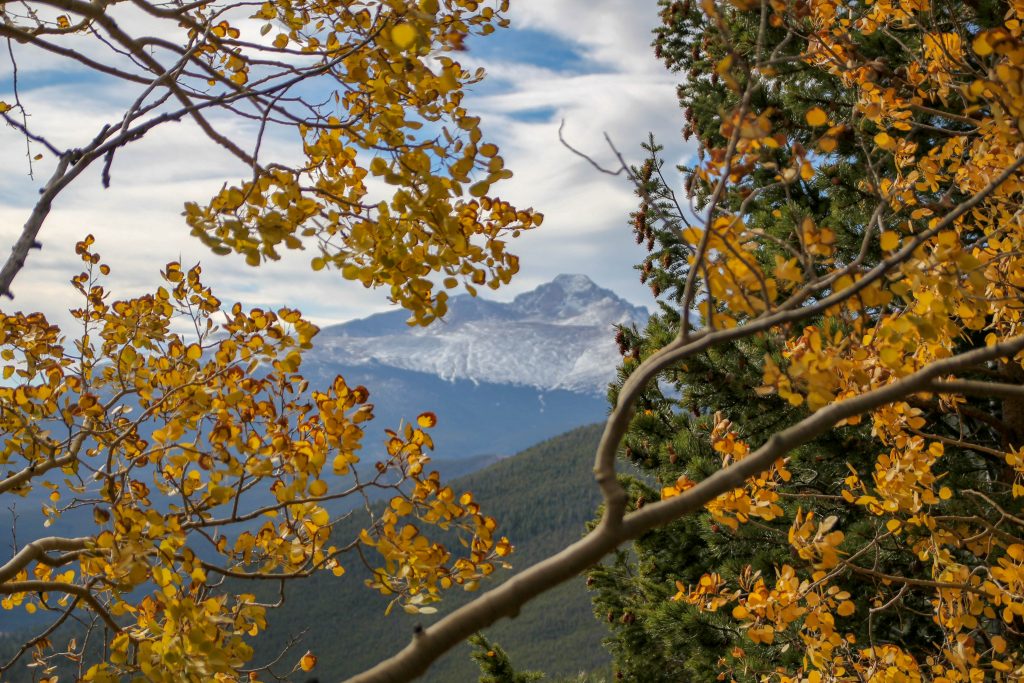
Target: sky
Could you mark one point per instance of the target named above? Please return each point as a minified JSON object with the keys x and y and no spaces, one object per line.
{"x":587,"y":62}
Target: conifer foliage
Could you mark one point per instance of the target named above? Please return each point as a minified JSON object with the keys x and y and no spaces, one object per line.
{"x":835,"y":141}
{"x":495,"y":665}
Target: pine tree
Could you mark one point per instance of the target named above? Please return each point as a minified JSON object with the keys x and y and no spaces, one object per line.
{"x":495,"y":664}
{"x":656,"y":633}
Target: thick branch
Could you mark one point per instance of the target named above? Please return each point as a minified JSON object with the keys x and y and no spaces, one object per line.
{"x":36,"y":550}
{"x":969,"y":387}
{"x":507,"y":599}
{"x":27,"y":240}
{"x":35,"y":469}
{"x":790,"y":312}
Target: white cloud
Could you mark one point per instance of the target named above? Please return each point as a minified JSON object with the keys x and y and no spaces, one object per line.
{"x":625,"y":93}
{"x":614,"y":33}
{"x":139,"y":228}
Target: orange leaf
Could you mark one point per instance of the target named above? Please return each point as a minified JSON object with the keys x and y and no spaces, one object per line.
{"x":817,"y":117}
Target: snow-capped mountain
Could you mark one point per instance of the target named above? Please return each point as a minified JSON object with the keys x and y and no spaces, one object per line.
{"x":557,"y":337}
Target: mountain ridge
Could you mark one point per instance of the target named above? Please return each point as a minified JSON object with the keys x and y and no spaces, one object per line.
{"x":557,"y":336}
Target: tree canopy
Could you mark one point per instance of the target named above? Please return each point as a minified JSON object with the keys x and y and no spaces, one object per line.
{"x":184,"y":427}
{"x":830,"y":396}
{"x":390,"y":178}
{"x":203,"y":457}
{"x":874,"y":142}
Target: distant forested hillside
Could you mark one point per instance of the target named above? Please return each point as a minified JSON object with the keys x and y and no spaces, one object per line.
{"x":542,"y":498}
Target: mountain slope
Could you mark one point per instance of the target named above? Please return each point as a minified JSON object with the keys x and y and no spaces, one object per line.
{"x":481,"y":418}
{"x":542,"y":498}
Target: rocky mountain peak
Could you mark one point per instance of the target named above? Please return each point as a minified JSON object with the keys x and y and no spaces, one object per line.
{"x":569,"y":296}
{"x":557,"y":336}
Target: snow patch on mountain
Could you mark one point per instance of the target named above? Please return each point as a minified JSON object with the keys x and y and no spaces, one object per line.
{"x":557,"y":336}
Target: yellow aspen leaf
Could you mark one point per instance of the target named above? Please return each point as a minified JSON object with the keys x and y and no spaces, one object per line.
{"x":427,"y":420}
{"x":816,"y":117}
{"x":692,"y":235}
{"x":788,"y":269}
{"x":762,"y":634}
{"x":891,"y":355}
{"x":308,"y":661}
{"x":401,"y":506}
{"x":889,"y":241}
{"x":982,"y":47}
{"x":404,"y":35}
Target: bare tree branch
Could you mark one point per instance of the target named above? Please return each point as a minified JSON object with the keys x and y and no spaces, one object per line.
{"x":36,"y":551}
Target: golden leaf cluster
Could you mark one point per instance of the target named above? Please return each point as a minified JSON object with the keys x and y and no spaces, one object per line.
{"x":395,"y":184}
{"x":190,"y":432}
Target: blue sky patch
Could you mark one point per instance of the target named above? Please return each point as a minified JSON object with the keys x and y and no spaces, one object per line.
{"x":531,"y":47}
{"x":534,"y":115}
